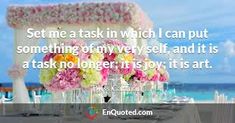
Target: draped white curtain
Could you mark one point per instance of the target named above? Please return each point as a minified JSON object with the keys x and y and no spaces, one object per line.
{"x":20,"y":92}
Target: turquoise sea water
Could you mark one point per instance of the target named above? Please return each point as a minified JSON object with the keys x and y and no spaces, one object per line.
{"x":200,"y":92}
{"x":203,"y":92}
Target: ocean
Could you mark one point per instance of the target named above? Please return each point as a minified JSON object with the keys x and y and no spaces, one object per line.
{"x":28,"y":84}
{"x":202,"y":91}
{"x":198,"y":91}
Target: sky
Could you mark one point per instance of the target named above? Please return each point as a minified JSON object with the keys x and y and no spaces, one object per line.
{"x":215,"y":15}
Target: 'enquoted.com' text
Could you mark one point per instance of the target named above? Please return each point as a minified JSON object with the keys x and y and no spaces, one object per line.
{"x":135,"y":112}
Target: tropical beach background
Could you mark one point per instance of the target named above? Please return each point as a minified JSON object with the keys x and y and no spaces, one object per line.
{"x":217,"y":16}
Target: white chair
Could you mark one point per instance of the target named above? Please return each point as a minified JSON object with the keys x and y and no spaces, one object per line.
{"x":220,"y":98}
{"x":223,"y":111}
{"x":36,"y":98}
{"x":1,"y":99}
{"x":233,"y":100}
{"x":6,"y":100}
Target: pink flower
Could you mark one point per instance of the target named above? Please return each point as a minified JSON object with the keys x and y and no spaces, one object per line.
{"x":65,"y":80}
{"x":104,"y":73}
{"x":116,"y":6}
{"x":108,"y":57}
{"x":78,"y":43}
{"x":84,"y":56}
{"x":48,"y":56}
{"x":163,"y":78}
{"x":154,"y":78}
{"x":126,"y":70}
{"x":139,"y":75}
{"x":115,"y":42}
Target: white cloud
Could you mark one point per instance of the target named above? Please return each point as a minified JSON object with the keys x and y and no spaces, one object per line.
{"x":229,"y":48}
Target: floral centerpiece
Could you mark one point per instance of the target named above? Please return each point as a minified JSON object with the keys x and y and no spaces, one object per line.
{"x":92,"y":75}
{"x":164,"y":75}
{"x":145,"y":78}
{"x":123,"y":61}
{"x":64,"y":79}
{"x":147,"y":74}
{"x":144,"y":81}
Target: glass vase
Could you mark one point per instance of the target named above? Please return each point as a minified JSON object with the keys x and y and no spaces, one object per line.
{"x":136,"y":89}
{"x":89,"y":95}
{"x":97,"y":94}
{"x":148,"y":92}
{"x":58,"y":97}
{"x":129,"y":97}
{"x":113,"y":88}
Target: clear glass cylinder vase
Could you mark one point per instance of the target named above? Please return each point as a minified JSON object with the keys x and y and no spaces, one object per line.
{"x":148,"y":92}
{"x":82,"y":95}
{"x":58,"y":97}
{"x":96,"y":94}
{"x":113,"y":88}
{"x":135,"y":88}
